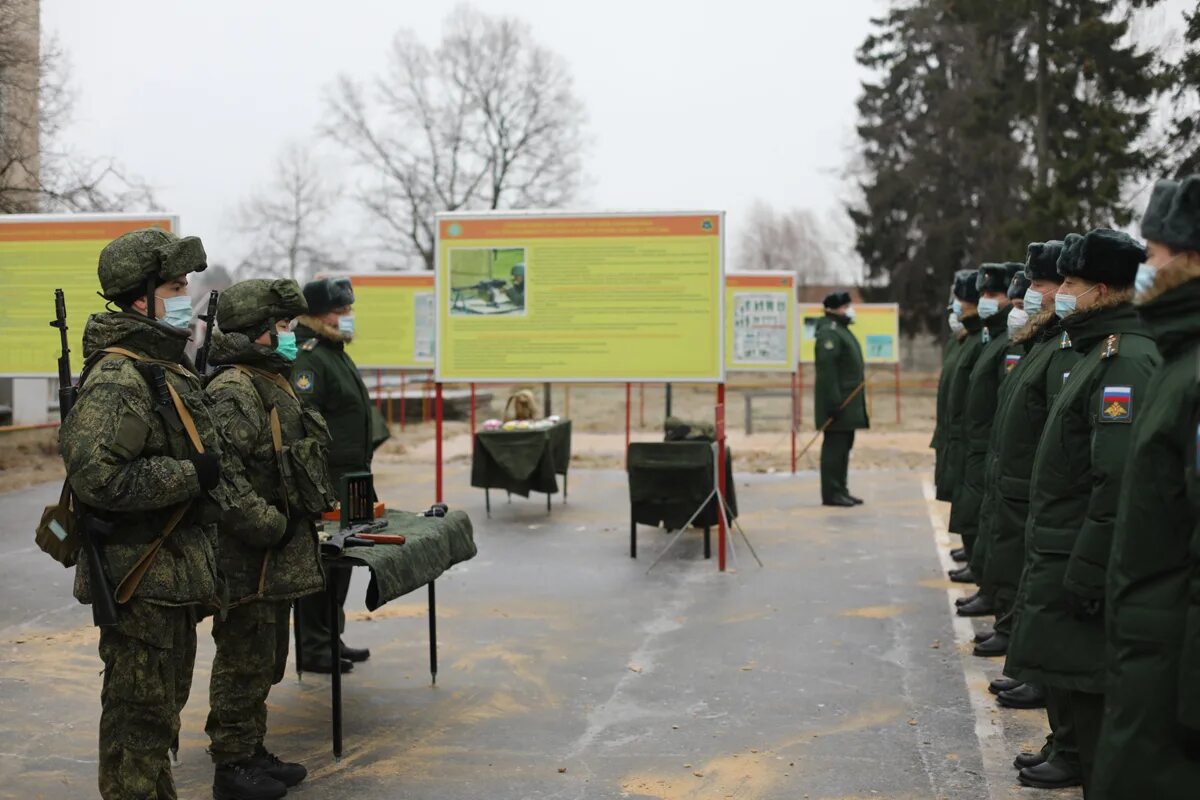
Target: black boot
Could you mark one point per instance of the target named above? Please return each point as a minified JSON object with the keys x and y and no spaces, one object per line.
{"x":997,"y":645}
{"x":1003,"y":685}
{"x":959,"y":554}
{"x":963,"y":575}
{"x":1027,"y":760}
{"x":1053,"y":774}
{"x":841,"y":501}
{"x":856,"y":500}
{"x":979,"y":607}
{"x":355,"y":654}
{"x":321,"y":664}
{"x":962,"y":601}
{"x":1027,"y":695}
{"x":240,"y":781}
{"x":285,"y":772}
{"x":983,"y":636}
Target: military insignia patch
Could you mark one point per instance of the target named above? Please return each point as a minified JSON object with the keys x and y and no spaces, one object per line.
{"x":304,"y":381}
{"x":986,"y":336}
{"x":828,"y":344}
{"x":1116,"y":404}
{"x":1010,"y":361}
{"x":1065,"y":376}
{"x":1064,"y":343}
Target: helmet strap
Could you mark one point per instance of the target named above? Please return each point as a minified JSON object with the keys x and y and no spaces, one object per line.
{"x":150,"y":287}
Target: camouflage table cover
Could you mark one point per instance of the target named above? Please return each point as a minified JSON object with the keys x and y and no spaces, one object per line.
{"x":669,"y":480}
{"x":432,"y":545}
{"x":521,"y":461}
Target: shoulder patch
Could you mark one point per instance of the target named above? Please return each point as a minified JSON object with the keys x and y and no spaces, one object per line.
{"x":310,"y":345}
{"x":1064,"y":342}
{"x":1116,"y":404}
{"x":829,"y":344}
{"x":1011,"y":360}
{"x":1110,"y":346}
{"x":985,"y":335}
{"x":304,"y":381}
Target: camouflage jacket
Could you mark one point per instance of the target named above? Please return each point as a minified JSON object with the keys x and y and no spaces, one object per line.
{"x":127,"y":463}
{"x":267,"y":547}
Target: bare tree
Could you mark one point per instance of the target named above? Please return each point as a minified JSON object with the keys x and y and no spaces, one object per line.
{"x":288,"y":221}
{"x":790,"y":241}
{"x":487,"y":120}
{"x":37,"y":172}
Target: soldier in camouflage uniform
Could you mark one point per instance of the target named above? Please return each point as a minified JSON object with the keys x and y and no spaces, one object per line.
{"x":267,"y":548}
{"x":130,"y":462}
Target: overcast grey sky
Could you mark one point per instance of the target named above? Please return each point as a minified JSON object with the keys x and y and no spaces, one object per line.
{"x":697,"y":104}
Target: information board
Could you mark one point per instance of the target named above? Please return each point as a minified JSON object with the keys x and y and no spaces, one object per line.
{"x":760,"y":321}
{"x":394,"y":326}
{"x":876,"y":326}
{"x":43,"y":252}
{"x":549,"y":296}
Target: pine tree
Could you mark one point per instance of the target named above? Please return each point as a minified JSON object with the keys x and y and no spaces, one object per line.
{"x":1185,"y":134}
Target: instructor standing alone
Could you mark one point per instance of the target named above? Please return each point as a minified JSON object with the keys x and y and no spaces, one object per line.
{"x":841,"y":407}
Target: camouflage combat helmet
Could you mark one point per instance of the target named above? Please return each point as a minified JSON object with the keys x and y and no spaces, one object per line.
{"x":144,"y":259}
{"x":249,"y":305}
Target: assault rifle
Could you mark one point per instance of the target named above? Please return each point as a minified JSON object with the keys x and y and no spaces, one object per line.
{"x":361,"y":535}
{"x":104,"y":609}
{"x":208,"y":317}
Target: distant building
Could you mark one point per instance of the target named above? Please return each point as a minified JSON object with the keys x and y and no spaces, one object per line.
{"x":20,"y":56}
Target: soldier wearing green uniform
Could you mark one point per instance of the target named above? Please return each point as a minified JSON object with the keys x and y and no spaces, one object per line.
{"x":1150,"y":740}
{"x":267,"y":550}
{"x":966,"y":294}
{"x":941,"y":429}
{"x":1021,"y":412}
{"x":132,"y":461}
{"x":326,"y":379}
{"x":979,"y":411}
{"x":1058,"y":638}
{"x":838,"y":397}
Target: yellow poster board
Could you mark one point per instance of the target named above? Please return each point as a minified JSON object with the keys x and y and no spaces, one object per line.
{"x":394,"y":325}
{"x":43,"y":252}
{"x":580,"y":297}
{"x":876,"y":326}
{"x":760,"y":321}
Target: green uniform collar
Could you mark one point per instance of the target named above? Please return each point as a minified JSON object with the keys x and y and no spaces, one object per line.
{"x":1086,"y":328}
{"x":972,"y":324}
{"x":134,"y":332}
{"x":1174,"y":316}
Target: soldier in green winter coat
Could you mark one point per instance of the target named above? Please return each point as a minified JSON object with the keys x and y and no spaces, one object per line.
{"x":941,"y":429}
{"x":327,"y":380}
{"x":1058,"y":636}
{"x":838,"y":397}
{"x":966,"y":293}
{"x":979,"y":411}
{"x":1021,"y":413}
{"x":132,"y":464}
{"x":1150,"y":740}
{"x":1032,"y":389}
{"x":267,"y":558}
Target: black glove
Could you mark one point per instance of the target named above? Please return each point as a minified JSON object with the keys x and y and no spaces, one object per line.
{"x":1084,"y":608}
{"x":208,"y":469}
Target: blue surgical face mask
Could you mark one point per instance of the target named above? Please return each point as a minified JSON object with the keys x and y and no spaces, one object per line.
{"x":1145,"y":278}
{"x":286,"y":345}
{"x":988,"y":307}
{"x":1017,"y":319}
{"x":1064,"y":304}
{"x":177,"y":311}
{"x":346,"y":324}
{"x":850,"y":313}
{"x":955,"y":325}
{"x":956,"y":306}
{"x":1033,"y":302}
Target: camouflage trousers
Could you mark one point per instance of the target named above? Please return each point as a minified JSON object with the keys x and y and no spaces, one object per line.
{"x":148,"y":657}
{"x":252,"y":648}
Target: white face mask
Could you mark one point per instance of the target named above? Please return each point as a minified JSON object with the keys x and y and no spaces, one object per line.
{"x":1033,"y":302}
{"x":346,"y":324}
{"x":1145,"y":278}
{"x":956,"y":327}
{"x":1017,"y":318}
{"x":956,"y":307}
{"x":850,"y":313}
{"x":988,"y":307}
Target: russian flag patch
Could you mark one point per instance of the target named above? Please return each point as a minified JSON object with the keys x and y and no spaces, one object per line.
{"x":1011,"y":361}
{"x":1116,"y":404}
